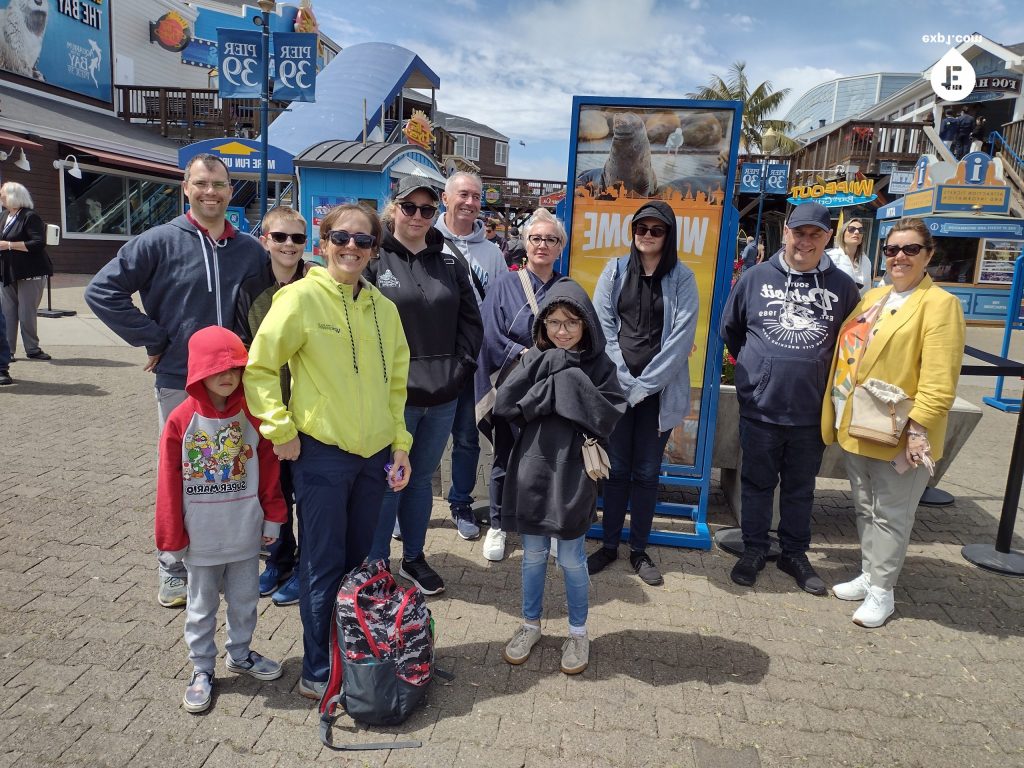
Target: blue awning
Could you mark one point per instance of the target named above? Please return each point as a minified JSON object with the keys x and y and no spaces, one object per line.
{"x":370,"y":72}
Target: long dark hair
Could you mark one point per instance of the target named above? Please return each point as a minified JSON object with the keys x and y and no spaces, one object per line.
{"x":542,"y":341}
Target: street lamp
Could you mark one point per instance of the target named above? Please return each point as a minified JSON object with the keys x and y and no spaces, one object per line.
{"x":769,"y":143}
{"x":266,"y":7}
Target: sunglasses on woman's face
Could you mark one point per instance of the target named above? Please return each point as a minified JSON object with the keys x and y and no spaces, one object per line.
{"x":341,"y":237}
{"x":855,"y":230}
{"x":655,"y":231}
{"x":282,"y":237}
{"x":911,"y":249}
{"x":426,"y":211}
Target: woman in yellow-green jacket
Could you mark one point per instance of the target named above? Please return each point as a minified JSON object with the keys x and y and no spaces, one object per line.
{"x":909,"y":335}
{"x":349,"y":361}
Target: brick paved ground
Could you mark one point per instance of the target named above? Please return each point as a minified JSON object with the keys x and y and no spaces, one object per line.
{"x":695,"y":673}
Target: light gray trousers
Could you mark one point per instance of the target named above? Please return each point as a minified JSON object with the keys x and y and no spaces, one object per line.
{"x":20,"y":302}
{"x":885,"y":503}
{"x":166,"y":401}
{"x":241,"y":584}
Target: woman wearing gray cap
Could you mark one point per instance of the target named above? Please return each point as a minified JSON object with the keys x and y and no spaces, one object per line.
{"x":647,"y":304}
{"x":442,"y":324}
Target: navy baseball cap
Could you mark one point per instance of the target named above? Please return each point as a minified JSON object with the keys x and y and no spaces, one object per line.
{"x":814,"y":214}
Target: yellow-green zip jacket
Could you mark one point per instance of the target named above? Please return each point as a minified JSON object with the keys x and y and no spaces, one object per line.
{"x":349,"y":362}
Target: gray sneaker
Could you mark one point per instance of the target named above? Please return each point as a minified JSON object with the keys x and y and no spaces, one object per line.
{"x":312,"y":689}
{"x":518,"y":649}
{"x":199,"y":692}
{"x":575,"y":654}
{"x":173,"y":592}
{"x":255,"y":665}
{"x":465,"y":521}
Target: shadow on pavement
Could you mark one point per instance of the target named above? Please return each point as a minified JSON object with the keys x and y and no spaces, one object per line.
{"x":91,"y":362}
{"x":52,"y":389}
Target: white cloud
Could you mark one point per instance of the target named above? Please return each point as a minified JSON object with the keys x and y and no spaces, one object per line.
{"x":740,"y":21}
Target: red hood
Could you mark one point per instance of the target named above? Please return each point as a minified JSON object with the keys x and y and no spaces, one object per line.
{"x":213,"y":350}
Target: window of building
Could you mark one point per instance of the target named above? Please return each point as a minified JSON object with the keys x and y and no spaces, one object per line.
{"x":467,"y":146}
{"x":105,"y":203}
{"x":500,"y":153}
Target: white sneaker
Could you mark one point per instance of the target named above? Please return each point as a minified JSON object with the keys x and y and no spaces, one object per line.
{"x":857,"y":589}
{"x":494,"y":545}
{"x":876,"y":608}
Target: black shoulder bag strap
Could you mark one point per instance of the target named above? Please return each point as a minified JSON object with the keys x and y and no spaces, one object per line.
{"x":465,"y":262}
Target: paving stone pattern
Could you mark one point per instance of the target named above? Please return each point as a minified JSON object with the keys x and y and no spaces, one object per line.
{"x":695,"y":673}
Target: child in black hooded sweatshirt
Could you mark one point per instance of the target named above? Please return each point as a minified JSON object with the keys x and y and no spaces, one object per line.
{"x":563,"y":390}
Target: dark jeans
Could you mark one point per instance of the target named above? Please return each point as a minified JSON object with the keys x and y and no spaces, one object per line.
{"x":465,"y":448}
{"x":635,"y":450}
{"x":340,"y":495}
{"x":772,"y":452}
{"x":284,"y":553}
{"x":504,"y":436}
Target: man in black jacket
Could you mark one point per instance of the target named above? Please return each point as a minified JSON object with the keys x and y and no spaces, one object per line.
{"x":781,"y":323}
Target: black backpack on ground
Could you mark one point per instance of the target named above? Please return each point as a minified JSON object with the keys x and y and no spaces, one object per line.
{"x":382,"y":655}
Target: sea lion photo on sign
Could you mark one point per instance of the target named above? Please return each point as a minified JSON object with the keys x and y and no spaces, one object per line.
{"x":593,"y":125}
{"x":629,"y":159}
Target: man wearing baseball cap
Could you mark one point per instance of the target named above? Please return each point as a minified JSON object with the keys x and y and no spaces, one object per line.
{"x":780,"y":324}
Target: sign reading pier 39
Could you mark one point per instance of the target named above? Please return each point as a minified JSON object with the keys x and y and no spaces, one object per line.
{"x":64,"y":43}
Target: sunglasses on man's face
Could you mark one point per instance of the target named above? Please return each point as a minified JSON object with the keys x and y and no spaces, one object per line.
{"x":341,"y":237}
{"x":282,"y":237}
{"x":911,"y":249}
{"x":426,"y":211}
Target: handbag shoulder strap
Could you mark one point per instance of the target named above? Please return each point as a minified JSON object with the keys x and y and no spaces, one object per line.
{"x":457,"y":252}
{"x":531,"y":297}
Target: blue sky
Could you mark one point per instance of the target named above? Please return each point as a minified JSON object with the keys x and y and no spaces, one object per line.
{"x":516,"y":65}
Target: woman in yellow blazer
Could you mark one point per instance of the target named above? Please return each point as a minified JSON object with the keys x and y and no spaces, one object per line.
{"x":910,"y":335}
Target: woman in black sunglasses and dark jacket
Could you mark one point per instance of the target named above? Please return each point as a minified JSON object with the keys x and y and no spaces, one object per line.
{"x":442,"y":324}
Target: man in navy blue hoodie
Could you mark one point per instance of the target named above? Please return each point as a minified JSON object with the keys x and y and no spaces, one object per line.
{"x":187,"y":273}
{"x":780,"y":323}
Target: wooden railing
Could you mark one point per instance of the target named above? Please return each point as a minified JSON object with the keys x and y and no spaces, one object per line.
{"x":190,"y":113}
{"x":866,"y":144}
{"x":520,"y":193}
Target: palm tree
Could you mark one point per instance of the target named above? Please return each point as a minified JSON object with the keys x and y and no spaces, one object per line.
{"x":757,"y":133}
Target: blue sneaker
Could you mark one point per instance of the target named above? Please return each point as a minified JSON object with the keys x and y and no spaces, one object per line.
{"x":288,"y":594}
{"x":465,"y":522}
{"x":269,"y":579}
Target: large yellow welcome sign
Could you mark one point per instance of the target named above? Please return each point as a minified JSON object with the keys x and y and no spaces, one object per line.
{"x":624,"y":153}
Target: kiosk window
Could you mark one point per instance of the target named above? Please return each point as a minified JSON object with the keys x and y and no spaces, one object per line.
{"x":114,"y":204}
{"x":954,"y":260}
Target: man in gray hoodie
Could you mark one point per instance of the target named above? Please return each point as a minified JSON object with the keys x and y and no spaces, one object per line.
{"x":187,"y":273}
{"x":465,"y":233}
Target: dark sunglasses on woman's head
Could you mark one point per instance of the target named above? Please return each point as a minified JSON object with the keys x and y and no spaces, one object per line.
{"x":282,"y":237}
{"x":911,"y":249}
{"x":341,"y":237}
{"x":426,"y":211}
{"x":655,"y":231}
{"x":855,"y":230}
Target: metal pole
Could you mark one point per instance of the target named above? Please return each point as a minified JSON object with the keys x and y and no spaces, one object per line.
{"x":760,"y":203}
{"x":264,"y":114}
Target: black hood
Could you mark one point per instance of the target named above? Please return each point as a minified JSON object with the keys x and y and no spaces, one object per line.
{"x":566,"y":291}
{"x":656,"y":209}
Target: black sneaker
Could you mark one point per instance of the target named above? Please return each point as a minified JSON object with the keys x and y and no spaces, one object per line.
{"x":422,"y":575}
{"x":801,"y":569}
{"x":747,"y":567}
{"x":38,"y":355}
{"x":645,"y":568}
{"x":601,"y":559}
{"x":5,"y":378}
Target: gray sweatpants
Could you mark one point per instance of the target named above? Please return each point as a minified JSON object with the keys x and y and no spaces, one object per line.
{"x":20,"y":301}
{"x":166,"y":401}
{"x":885,"y":503}
{"x":240,"y":582}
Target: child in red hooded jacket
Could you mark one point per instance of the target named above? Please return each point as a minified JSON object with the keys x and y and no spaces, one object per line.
{"x":218,"y":496}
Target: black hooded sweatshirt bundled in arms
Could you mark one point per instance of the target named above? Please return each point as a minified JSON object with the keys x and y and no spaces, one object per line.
{"x":556,"y":396}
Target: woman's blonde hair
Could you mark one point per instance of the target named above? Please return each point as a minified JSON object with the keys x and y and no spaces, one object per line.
{"x":543,"y":215}
{"x":841,"y":240}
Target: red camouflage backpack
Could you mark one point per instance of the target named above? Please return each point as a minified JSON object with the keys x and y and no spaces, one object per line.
{"x":382,"y":654}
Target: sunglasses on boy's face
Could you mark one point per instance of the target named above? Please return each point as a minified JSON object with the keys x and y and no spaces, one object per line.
{"x":426,"y":211}
{"x":341,"y":237}
{"x":911,"y":249}
{"x":282,"y":237}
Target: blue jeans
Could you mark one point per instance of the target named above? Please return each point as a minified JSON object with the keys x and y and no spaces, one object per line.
{"x":5,"y":347}
{"x":573,"y":560}
{"x":283,"y":552}
{"x":339,"y":494}
{"x":465,"y":448}
{"x":772,"y":452}
{"x":430,"y":427}
{"x":635,"y":451}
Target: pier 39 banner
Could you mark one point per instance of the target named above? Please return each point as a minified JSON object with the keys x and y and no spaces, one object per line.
{"x":626,"y":151}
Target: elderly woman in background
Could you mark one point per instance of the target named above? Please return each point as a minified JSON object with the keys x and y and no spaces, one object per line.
{"x":911,"y":336}
{"x":23,"y":265}
{"x":508,"y":314}
{"x":434,"y":295}
{"x":849,"y":254}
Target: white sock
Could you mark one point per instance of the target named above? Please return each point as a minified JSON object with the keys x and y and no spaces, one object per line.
{"x":531,"y":624}
{"x":578,"y":631}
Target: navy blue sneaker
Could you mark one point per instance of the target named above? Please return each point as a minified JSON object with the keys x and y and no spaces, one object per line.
{"x":269,"y":579}
{"x":288,"y":594}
